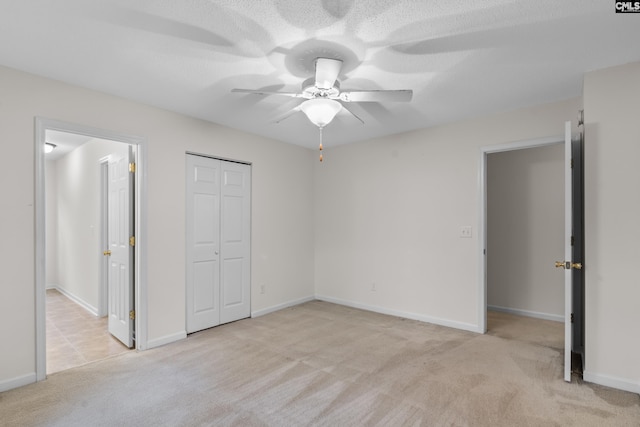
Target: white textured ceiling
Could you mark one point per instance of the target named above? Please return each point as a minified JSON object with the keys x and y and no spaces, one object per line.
{"x":462,"y":58}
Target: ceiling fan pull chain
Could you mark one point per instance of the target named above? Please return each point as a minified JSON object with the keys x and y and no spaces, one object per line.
{"x":320,"y":143}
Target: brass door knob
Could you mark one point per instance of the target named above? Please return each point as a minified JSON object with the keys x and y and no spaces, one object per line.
{"x":568,"y":265}
{"x":106,"y":253}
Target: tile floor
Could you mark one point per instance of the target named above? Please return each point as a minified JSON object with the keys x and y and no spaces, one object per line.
{"x":75,"y":336}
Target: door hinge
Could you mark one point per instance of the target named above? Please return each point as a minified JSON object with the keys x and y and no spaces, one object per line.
{"x":571,"y":317}
{"x":132,"y":167}
{"x":132,"y":315}
{"x":132,"y":241}
{"x":573,"y":240}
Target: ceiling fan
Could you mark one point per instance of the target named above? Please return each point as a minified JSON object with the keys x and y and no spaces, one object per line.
{"x":324,"y":99}
{"x":325,"y":86}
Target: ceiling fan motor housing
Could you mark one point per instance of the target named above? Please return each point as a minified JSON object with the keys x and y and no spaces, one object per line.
{"x":311,"y":91}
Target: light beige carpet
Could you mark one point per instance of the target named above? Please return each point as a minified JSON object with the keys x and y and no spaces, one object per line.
{"x":323,"y":364}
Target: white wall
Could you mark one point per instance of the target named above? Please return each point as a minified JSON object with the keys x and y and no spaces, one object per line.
{"x":282,"y":206}
{"x":78,"y":251}
{"x":525,"y":231}
{"x":51,"y":222}
{"x":612,"y":211}
{"x":389,"y":212}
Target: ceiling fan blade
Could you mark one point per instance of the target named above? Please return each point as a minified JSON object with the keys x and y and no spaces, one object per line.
{"x":286,"y":115}
{"x":376,"y":95}
{"x":268,"y":92}
{"x":327,"y":71}
{"x":352,"y":113}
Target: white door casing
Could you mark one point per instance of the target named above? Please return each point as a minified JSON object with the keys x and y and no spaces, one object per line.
{"x":218,"y":227}
{"x":42,"y":125}
{"x":120,"y":275}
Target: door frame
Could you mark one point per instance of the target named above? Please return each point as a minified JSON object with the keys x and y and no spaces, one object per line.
{"x":482,"y":228}
{"x":140,"y":269}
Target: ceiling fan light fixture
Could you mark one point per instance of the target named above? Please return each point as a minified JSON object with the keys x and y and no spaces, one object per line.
{"x":320,"y":111}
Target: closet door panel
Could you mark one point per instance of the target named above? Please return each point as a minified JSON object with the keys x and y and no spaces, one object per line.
{"x":235,"y":242}
{"x":203,"y":243}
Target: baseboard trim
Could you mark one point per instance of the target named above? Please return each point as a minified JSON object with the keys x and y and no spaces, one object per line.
{"x":613,"y":382}
{"x":527,"y":313}
{"x":17,"y":382}
{"x":167,"y":339}
{"x":284,"y":305}
{"x":405,"y":314}
{"x":82,"y":303}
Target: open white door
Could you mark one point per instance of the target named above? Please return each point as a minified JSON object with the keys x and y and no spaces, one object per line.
{"x":120,"y":252}
{"x":568,"y":264}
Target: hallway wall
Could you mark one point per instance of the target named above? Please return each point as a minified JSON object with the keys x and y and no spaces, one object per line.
{"x":51,"y":223}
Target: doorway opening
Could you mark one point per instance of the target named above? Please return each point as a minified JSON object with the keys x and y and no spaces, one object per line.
{"x":72,"y":241}
{"x":519,"y":263}
{"x":525,"y":235}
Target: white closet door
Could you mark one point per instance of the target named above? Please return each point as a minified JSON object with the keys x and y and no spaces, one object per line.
{"x":235,"y":269}
{"x":203,"y":243}
{"x":218,"y":242}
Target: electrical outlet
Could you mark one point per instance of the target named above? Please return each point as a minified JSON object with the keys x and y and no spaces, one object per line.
{"x":262,"y":288}
{"x":373,"y":287}
{"x":466,"y":231}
